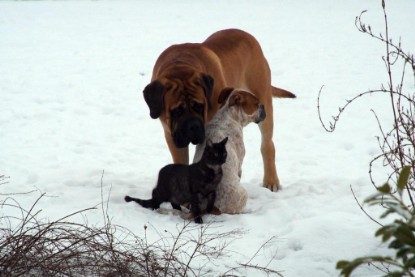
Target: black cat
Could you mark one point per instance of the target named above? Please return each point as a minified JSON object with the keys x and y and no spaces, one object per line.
{"x":182,"y":184}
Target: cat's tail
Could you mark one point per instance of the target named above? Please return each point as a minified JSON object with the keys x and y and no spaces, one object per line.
{"x":145,"y":203}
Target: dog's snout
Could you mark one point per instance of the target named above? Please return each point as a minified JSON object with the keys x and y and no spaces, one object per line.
{"x":193,"y":127}
{"x":261,"y":113}
{"x":195,"y":131}
{"x":189,"y":130}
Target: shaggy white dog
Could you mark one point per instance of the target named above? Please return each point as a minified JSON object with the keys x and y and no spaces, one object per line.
{"x":238,"y":109}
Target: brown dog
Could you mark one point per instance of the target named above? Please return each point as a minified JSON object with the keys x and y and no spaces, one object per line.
{"x":186,"y":83}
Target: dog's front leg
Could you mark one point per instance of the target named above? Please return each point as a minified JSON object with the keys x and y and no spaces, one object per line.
{"x":179,"y":155}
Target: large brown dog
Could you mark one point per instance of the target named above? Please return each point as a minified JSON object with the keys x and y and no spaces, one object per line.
{"x":186,"y":83}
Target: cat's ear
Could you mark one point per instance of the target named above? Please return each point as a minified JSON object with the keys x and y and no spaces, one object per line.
{"x":224,"y":141}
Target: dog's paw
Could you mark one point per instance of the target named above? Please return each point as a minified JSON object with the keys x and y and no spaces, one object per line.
{"x":274,"y":188}
{"x":271,"y":182}
{"x":215,"y":211}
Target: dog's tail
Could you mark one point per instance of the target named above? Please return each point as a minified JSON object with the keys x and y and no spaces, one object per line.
{"x":282,"y":93}
{"x":150,"y":203}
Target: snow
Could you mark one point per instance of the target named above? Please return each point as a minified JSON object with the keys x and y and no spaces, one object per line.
{"x":72,"y":112}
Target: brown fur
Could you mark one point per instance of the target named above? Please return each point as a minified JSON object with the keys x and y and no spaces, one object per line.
{"x":197,"y":72}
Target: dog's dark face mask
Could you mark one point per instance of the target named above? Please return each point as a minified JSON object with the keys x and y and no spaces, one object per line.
{"x":182,"y":106}
{"x":187,"y":124}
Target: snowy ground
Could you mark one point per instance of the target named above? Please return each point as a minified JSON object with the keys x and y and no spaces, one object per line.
{"x":71,"y":106}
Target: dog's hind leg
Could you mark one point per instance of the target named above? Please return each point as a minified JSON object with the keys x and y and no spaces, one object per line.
{"x":266,"y":127}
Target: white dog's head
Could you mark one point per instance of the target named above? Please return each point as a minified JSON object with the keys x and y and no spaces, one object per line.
{"x":243,"y":105}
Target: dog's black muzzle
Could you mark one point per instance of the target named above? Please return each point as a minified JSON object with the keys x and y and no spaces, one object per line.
{"x":189,"y":130}
{"x":261,"y":114}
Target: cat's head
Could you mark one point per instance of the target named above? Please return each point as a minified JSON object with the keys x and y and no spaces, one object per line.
{"x":215,"y":153}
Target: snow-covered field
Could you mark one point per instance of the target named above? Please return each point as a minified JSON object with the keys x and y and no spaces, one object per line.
{"x":71,"y":107}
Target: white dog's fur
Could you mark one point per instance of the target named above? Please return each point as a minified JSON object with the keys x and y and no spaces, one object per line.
{"x":229,"y":121}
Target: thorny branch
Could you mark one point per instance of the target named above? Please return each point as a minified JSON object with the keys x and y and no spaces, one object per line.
{"x":396,"y":142}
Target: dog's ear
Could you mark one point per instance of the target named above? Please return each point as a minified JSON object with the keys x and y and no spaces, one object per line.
{"x":209,"y":143}
{"x":224,"y":95}
{"x":207,"y":84}
{"x":154,"y":96}
{"x":235,"y":99}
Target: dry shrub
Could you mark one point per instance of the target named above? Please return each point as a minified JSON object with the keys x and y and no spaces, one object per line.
{"x":30,"y":246}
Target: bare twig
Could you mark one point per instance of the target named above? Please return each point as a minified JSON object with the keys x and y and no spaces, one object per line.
{"x":363,"y":210}
{"x":33,"y":247}
{"x":396,"y":143}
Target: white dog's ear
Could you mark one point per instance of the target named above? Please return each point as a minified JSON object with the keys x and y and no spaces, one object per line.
{"x":209,"y":143}
{"x":224,"y":95}
{"x":235,"y":99}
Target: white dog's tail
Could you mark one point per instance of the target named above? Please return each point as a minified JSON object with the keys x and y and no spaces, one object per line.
{"x":282,"y":93}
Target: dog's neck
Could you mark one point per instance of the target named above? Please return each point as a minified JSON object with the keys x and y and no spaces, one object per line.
{"x":233,"y":114}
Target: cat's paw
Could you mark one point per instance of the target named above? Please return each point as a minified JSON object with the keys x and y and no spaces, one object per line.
{"x":198,"y":219}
